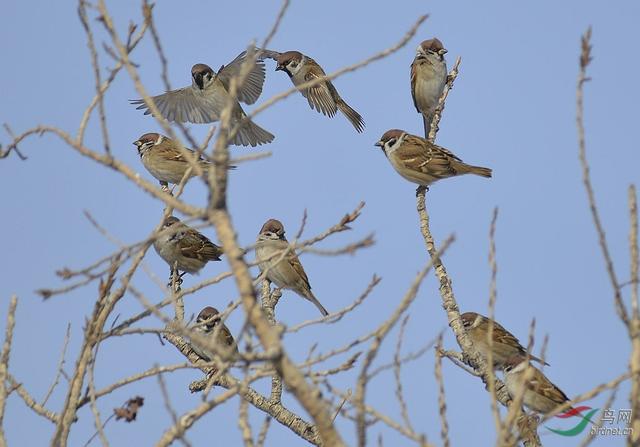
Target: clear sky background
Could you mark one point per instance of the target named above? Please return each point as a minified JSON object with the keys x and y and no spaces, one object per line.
{"x":512,"y":109}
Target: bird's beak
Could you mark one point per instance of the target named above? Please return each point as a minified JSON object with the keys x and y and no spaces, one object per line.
{"x":279,"y":68}
{"x":379,"y":144}
{"x":137,"y":143}
{"x":442,"y":52}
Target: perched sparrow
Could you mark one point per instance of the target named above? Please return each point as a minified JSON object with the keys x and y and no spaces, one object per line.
{"x":181,"y":244}
{"x":428,"y":77}
{"x":422,"y":162}
{"x":288,"y":273}
{"x":164,"y":160}
{"x":540,"y":394}
{"x":505,"y":345}
{"x":206,"y":323}
{"x":208,"y":95}
{"x":322,"y":97}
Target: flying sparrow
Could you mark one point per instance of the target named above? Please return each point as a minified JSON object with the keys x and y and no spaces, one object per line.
{"x":208,"y":94}
{"x":206,"y":325}
{"x":428,"y":78}
{"x":540,"y":394}
{"x":178,"y":244}
{"x":165,"y":161}
{"x":422,"y":162}
{"x":323,"y":96}
{"x":505,"y":345}
{"x":288,"y":272}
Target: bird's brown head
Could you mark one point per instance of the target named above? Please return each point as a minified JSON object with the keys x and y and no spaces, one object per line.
{"x":202,"y":75}
{"x":169,"y":221}
{"x":207,"y":314}
{"x":272,"y":229}
{"x":468,"y":319}
{"x":289,"y":61}
{"x":147,"y":140}
{"x":431,"y":46}
{"x":389,"y":138}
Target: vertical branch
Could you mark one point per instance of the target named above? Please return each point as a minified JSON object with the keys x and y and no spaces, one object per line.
{"x":269,"y":302}
{"x":178,"y":300}
{"x":82,"y":12}
{"x":633,"y":250}
{"x":103,"y":307}
{"x":243,"y":423}
{"x":4,"y":362}
{"x":634,"y":329}
{"x":493,"y":294}
{"x":437,"y":115}
{"x":442,"y":401}
{"x":585,"y":60}
{"x":446,"y":291}
{"x":262,"y":436}
{"x":56,"y":379}
{"x":94,"y":402}
{"x":397,"y":369}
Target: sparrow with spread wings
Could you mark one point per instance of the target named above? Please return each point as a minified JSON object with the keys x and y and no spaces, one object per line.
{"x":207,"y":96}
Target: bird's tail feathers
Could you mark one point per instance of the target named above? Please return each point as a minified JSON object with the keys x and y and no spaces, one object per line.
{"x":353,"y":116}
{"x":250,"y":134}
{"x":464,"y":168}
{"x":311,"y":297}
{"x":427,"y":124}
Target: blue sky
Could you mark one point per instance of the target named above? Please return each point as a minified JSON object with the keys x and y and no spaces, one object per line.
{"x":512,"y":109}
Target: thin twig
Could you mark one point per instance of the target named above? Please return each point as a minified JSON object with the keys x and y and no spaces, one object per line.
{"x":442,"y":401}
{"x":4,"y":362}
{"x":585,"y":60}
{"x":56,"y":379}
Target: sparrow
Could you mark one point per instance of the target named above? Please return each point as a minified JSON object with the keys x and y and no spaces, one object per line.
{"x":288,"y":272}
{"x":182,"y":246}
{"x":428,"y":78}
{"x":540,"y":394}
{"x":323,"y":96}
{"x":206,"y":323}
{"x":162,"y":157}
{"x":505,"y":345}
{"x":208,"y":94}
{"x":421,"y":161}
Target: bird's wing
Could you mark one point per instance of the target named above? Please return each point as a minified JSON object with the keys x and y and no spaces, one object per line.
{"x":268,"y":54}
{"x":225,"y":336}
{"x":171,"y":154}
{"x":428,"y":158}
{"x":544,"y":386}
{"x":185,"y":105}
{"x":319,"y":96}
{"x":252,"y":86}
{"x":414,"y":76}
{"x":501,"y":335}
{"x":295,"y":264}
{"x":198,"y":246}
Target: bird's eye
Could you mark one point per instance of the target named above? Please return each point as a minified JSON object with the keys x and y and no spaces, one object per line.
{"x":391,"y":141}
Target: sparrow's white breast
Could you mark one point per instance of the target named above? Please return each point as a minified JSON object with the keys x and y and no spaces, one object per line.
{"x":430,"y":80}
